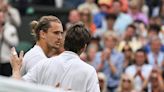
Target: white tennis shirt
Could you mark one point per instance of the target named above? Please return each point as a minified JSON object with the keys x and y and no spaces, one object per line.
{"x":68,"y":70}
{"x":31,"y":58}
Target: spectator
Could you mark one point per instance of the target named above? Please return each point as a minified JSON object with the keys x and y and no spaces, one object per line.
{"x":130,"y":33}
{"x":141,"y":28}
{"x":141,"y":32}
{"x":161,"y":14}
{"x":110,"y":18}
{"x":143,"y":7}
{"x":153,"y":32}
{"x":130,"y":38}
{"x":161,"y":35}
{"x":126,"y":84}
{"x":91,"y":53}
{"x":154,"y":83}
{"x":155,"y":56}
{"x":9,"y":38}
{"x":135,"y":13}
{"x":73,"y":18}
{"x":90,"y":4}
{"x":12,"y":14}
{"x":86,"y":18}
{"x":120,"y":24}
{"x":139,"y":70}
{"x":91,"y":50}
{"x":110,"y":62}
{"x":128,"y":54}
{"x":124,"y":7}
{"x":153,"y":7}
{"x":96,"y":42}
{"x":155,"y":20}
{"x":102,"y":81}
{"x":99,"y":18}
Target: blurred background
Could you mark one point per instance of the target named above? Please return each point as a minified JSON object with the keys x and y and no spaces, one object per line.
{"x":127,"y":45}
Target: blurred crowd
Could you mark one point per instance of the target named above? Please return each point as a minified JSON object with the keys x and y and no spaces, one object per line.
{"x":127,"y":45}
{"x":10,"y":21}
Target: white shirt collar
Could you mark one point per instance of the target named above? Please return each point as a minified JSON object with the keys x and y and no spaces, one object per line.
{"x":70,"y":53}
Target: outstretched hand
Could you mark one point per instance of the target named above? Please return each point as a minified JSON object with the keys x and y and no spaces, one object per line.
{"x":15,"y":60}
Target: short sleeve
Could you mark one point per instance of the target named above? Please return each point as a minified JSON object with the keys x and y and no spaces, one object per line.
{"x":93,"y":84}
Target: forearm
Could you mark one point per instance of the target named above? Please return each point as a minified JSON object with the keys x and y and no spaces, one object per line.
{"x":112,"y":68}
{"x":145,"y":83}
{"x":16,"y":74}
{"x":135,"y":75}
{"x":16,"y":63}
{"x":100,"y":67}
{"x":142,"y":78}
{"x":16,"y":20}
{"x":161,"y":84}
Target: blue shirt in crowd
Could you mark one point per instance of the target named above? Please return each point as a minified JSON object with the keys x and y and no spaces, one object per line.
{"x":159,"y":58}
{"x":117,"y":60}
{"x":122,"y":21}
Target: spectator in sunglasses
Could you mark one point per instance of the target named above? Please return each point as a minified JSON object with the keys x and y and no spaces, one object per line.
{"x":128,"y":54}
{"x":126,"y":84}
{"x":102,"y":81}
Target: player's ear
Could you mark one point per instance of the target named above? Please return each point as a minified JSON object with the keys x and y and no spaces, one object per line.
{"x":42,"y":34}
{"x":83,"y":49}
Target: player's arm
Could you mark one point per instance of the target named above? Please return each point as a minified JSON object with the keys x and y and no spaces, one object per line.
{"x":16,"y":63}
{"x":93,"y":84}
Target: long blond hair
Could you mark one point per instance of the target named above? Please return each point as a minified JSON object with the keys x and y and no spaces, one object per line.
{"x":120,"y":88}
{"x":103,"y":77}
{"x":42,"y":24}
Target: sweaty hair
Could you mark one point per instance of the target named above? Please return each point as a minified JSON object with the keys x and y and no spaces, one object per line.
{"x":43,"y":24}
{"x":76,"y":38}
